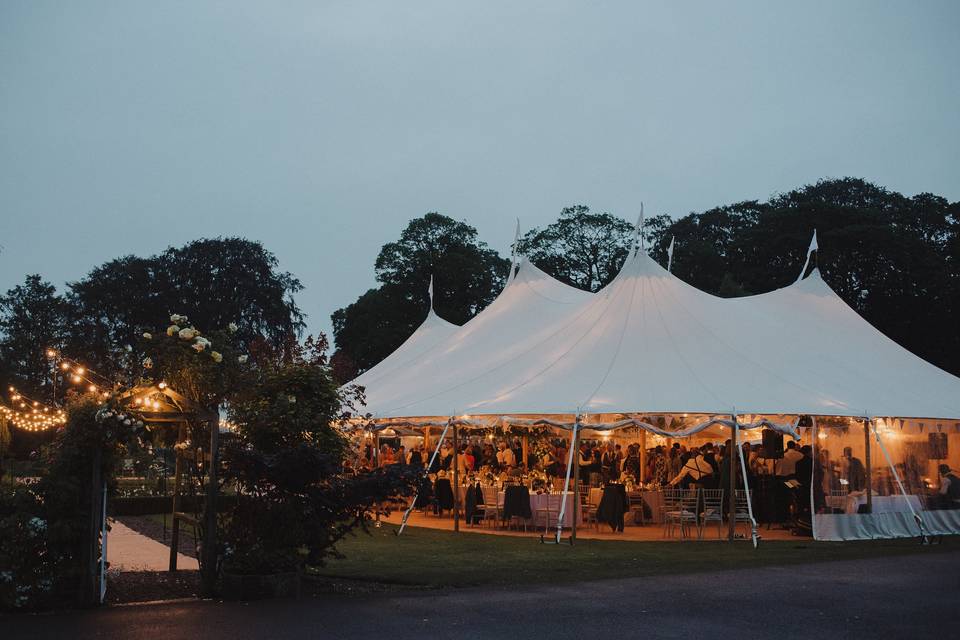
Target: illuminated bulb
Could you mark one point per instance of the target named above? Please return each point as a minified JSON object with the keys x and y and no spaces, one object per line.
{"x":76,"y":379}
{"x":163,"y":385}
{"x":93,"y":388}
{"x":51,"y":353}
{"x":65,"y":365}
{"x":80,"y":370}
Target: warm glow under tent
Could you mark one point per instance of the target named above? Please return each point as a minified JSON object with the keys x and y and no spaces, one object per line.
{"x":649,"y":343}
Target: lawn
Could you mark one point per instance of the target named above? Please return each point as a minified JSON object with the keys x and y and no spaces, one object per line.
{"x":433,"y":559}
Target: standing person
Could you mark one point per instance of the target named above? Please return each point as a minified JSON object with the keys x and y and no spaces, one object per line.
{"x":854,"y":470}
{"x":660,"y":471}
{"x":787,"y":467}
{"x":673,"y":461}
{"x":949,"y":488}
{"x":415,"y":458}
{"x":586,"y":459}
{"x":608,"y":464}
{"x":401,"y":456}
{"x":506,"y":457}
{"x":631,"y":464}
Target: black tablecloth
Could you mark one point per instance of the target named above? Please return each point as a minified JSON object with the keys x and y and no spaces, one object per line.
{"x":516,"y":502}
{"x":444,"y":493}
{"x":613,"y":505}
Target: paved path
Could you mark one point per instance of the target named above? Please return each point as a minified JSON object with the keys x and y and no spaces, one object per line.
{"x":901,"y":597}
{"x":128,"y":550}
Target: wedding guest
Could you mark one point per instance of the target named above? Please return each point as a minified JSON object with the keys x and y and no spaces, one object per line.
{"x":695,"y":470}
{"x":949,"y":488}
{"x":854,"y":470}
{"x":505,"y":456}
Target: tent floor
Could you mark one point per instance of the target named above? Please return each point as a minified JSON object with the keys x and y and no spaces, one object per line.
{"x":652,"y":532}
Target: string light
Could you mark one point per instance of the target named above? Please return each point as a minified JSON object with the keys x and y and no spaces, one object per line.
{"x":31,"y":415}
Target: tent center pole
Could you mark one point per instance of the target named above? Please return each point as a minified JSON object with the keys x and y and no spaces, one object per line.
{"x":732,"y":487}
{"x":868,"y":464}
{"x":456,"y":479}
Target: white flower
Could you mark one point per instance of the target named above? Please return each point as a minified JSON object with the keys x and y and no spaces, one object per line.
{"x":242,"y":359}
{"x":232,"y":327}
{"x":177,"y":318}
{"x":187,"y":334}
{"x":198,"y":346}
{"x":128,"y":422}
{"x":147,"y":336}
{"x":147,"y":363}
{"x":292,"y":399}
{"x":127,"y":348}
{"x":173,"y":330}
{"x":203,"y":341}
{"x":217,"y":357}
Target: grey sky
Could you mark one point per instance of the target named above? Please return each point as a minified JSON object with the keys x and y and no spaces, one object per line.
{"x":321,"y":128}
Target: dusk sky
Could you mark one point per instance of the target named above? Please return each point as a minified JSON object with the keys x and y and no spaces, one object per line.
{"x":321,"y":128}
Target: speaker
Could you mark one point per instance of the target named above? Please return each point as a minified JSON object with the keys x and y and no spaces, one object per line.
{"x":937,"y":443}
{"x":772,"y":444}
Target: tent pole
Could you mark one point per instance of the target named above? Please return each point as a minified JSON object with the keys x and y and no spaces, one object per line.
{"x":566,"y":482}
{"x":868,"y":464}
{"x":643,"y":454}
{"x":576,"y":485}
{"x":456,"y":479}
{"x":526,"y":449}
{"x":436,"y":452}
{"x":732,"y":488}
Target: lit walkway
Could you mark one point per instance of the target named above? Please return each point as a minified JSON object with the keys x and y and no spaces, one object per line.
{"x":128,"y":550}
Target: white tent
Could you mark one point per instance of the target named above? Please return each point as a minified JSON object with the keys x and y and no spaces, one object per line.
{"x":531,"y":303}
{"x":651,"y":343}
{"x":431,"y":332}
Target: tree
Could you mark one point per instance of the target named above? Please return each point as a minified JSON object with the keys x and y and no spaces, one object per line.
{"x":583,"y":249}
{"x":467,"y":276}
{"x":220,"y":281}
{"x":32,"y":320}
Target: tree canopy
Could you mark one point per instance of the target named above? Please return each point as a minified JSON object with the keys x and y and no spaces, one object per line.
{"x":467,"y":276}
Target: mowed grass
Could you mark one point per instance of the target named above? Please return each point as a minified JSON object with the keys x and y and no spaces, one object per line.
{"x":434,"y":559}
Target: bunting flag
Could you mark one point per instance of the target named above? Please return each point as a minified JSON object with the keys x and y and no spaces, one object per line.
{"x":813,"y":247}
{"x":670,"y":253}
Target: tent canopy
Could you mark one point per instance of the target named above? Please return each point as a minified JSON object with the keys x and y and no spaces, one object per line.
{"x":650,"y":343}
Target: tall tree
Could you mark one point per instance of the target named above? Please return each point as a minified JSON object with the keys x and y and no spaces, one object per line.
{"x":581,"y":248}
{"x":213,"y":282}
{"x":467,"y":276}
{"x":32,"y":320}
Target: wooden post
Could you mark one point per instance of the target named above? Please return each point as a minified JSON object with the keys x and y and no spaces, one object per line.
{"x":732,"y":500}
{"x":576,"y":483}
{"x":643,"y":455}
{"x":177,"y":484}
{"x":526,"y":449}
{"x":426,"y":439}
{"x":867,"y":464}
{"x":456,"y":479}
{"x":208,"y":577}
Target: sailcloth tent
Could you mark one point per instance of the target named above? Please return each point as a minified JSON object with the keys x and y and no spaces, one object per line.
{"x":649,"y":342}
{"x":431,"y":332}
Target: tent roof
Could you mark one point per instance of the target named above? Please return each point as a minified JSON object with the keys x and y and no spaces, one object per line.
{"x":529,"y":304}
{"x":431,"y":332}
{"x":649,"y":342}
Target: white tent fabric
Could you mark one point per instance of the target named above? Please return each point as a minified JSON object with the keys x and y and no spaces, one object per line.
{"x":532,"y":303}
{"x":431,"y":332}
{"x":651,"y":343}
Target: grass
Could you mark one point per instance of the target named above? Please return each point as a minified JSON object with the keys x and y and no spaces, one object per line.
{"x":430,"y":558}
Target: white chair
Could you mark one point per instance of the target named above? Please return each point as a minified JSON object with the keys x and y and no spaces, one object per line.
{"x":711,"y":510}
{"x":679,"y":511}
